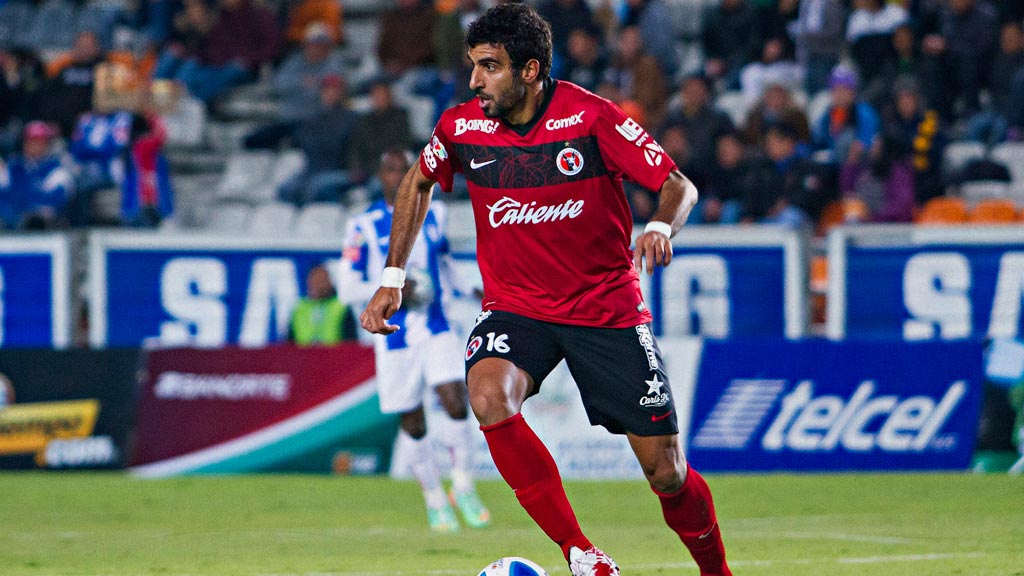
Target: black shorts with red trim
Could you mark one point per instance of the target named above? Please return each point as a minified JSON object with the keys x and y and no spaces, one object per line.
{"x":619,"y":371}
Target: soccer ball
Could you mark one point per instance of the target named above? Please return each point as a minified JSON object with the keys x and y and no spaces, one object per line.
{"x":513,"y":566}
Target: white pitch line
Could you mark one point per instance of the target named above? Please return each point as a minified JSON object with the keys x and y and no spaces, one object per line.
{"x":735,"y":563}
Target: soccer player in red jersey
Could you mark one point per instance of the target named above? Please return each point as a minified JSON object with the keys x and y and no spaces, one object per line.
{"x":544,"y":160}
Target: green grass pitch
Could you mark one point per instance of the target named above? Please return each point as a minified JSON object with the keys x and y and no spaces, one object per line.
{"x":792,"y":525}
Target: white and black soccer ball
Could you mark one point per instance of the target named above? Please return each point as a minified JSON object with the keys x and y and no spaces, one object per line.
{"x":513,"y":566}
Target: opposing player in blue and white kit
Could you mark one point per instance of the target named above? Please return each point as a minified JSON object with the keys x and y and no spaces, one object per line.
{"x":424,"y":352}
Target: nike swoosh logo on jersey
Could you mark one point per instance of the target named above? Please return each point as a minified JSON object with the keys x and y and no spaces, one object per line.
{"x":661,"y":417}
{"x":474,"y":164}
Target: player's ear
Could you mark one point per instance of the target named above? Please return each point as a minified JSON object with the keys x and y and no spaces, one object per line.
{"x":530,"y":71}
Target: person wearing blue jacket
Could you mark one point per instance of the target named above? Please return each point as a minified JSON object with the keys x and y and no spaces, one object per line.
{"x":846,"y":120}
{"x":35,"y":185}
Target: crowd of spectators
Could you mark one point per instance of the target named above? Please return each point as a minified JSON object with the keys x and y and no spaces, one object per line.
{"x":900,"y":80}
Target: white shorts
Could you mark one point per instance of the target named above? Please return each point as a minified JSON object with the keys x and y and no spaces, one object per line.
{"x":403,"y":375}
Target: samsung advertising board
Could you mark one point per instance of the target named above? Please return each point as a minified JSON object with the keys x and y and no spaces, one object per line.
{"x":731,"y":282}
{"x":35,"y":292}
{"x":819,"y":405}
{"x":925,"y":283}
{"x":205,"y":291}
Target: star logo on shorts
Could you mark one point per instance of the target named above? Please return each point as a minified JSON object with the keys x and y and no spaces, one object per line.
{"x":654,"y":385}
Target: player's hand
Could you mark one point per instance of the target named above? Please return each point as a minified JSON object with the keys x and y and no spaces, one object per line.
{"x":383,"y":305}
{"x":655,"y":248}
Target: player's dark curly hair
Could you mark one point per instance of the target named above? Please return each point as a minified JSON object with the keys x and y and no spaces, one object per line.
{"x":520,"y":29}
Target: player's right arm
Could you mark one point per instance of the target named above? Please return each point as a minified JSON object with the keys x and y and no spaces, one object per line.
{"x":411,"y":205}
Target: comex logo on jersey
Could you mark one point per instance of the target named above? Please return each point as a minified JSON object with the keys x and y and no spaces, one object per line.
{"x":509,"y":211}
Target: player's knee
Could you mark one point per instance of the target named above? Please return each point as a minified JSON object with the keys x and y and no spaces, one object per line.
{"x":490,"y":404}
{"x":414,"y":424}
{"x":666,"y":475}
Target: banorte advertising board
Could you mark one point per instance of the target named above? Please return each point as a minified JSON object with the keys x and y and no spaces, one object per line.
{"x":280,"y":408}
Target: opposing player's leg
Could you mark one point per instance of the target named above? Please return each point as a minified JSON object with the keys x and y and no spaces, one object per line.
{"x":445,"y":372}
{"x":400,"y":391}
{"x":507,"y":358}
{"x":686,"y":501}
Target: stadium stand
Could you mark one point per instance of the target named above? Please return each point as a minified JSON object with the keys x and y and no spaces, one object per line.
{"x":943,"y":210}
{"x":993,"y":211}
{"x":320,"y":220}
{"x":273,"y":219}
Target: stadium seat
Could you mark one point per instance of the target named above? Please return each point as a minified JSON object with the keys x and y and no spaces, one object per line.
{"x":54,"y":26}
{"x":421,"y":116}
{"x":228,"y":218}
{"x":320,"y":220}
{"x":735,"y":105}
{"x":958,"y":154}
{"x":974,"y":192}
{"x":245,"y":172}
{"x":272,"y":219}
{"x":843,"y":211}
{"x":15,"y":20}
{"x":942,"y":210}
{"x":287,"y":164}
{"x":1012,"y":155}
{"x":461,"y":225}
{"x":993,"y":211}
{"x":186,"y":125}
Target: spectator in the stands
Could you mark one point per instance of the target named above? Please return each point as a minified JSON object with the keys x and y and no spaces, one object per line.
{"x":35,"y":185}
{"x":304,"y":13}
{"x":771,"y":68}
{"x":384,"y":126}
{"x":586,"y":62}
{"x":243,"y":38}
{"x":326,"y":140}
{"x":903,"y":61}
{"x":992,"y":123}
{"x":701,"y":120}
{"x":728,"y":179}
{"x":564,"y":16}
{"x":22,"y":78}
{"x":296,"y":85}
{"x":776,"y":105}
{"x":917,"y":130}
{"x":774,"y":20}
{"x":846,"y":119}
{"x":405,"y":44}
{"x":72,"y":77}
{"x":869,"y":33}
{"x":147,"y":196}
{"x":818,"y":35}
{"x":97,"y":145}
{"x":637,"y":76}
{"x":189,"y":30}
{"x":960,"y":41}
{"x":882,"y":178}
{"x":450,"y":44}
{"x":652,"y":18}
{"x":804,"y":187}
{"x":730,"y":41}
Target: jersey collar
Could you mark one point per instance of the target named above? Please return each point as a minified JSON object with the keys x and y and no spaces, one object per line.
{"x":524,"y":129}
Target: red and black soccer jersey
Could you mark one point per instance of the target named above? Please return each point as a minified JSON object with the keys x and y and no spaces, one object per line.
{"x":553,"y":224}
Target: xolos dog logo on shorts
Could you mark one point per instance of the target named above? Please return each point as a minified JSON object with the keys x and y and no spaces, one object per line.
{"x":569,"y":161}
{"x":474,"y":345}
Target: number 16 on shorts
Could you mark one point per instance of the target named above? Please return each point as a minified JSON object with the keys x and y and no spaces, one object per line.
{"x":495,"y":343}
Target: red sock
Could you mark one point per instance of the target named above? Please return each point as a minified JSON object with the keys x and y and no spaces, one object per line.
{"x":528,"y":468}
{"x":690,"y":512}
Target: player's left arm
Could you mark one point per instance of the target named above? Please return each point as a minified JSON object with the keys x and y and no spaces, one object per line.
{"x":677,"y":197}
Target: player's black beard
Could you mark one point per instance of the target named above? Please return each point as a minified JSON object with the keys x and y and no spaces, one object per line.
{"x":506,"y":101}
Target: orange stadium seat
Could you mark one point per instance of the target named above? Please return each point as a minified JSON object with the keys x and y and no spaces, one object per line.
{"x":942,"y":210}
{"x":993,"y":211}
{"x":846,"y":210}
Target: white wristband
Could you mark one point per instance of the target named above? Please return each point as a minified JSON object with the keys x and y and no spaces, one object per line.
{"x":392,"y":277}
{"x":659,"y":226}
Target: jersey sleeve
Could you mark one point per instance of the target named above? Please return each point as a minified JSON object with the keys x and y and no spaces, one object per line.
{"x":357,"y":285}
{"x":437,"y":160}
{"x":629,"y":150}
